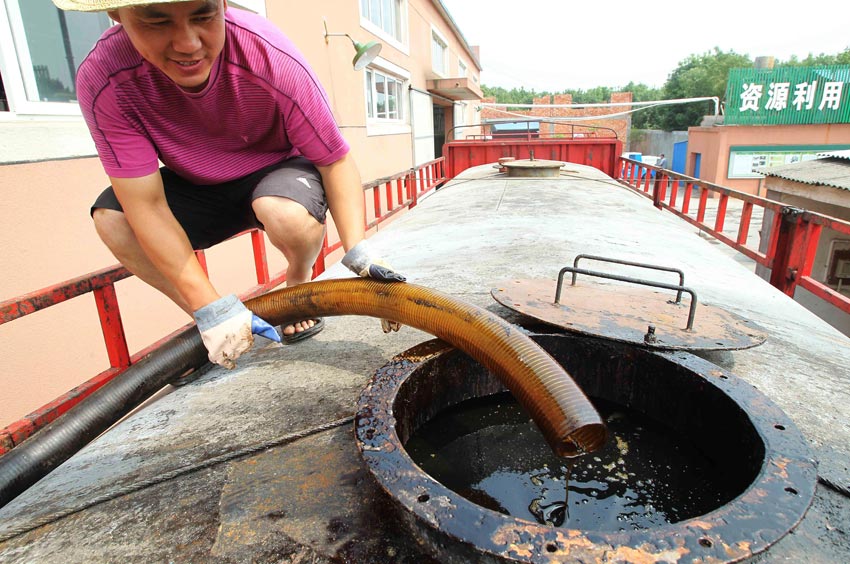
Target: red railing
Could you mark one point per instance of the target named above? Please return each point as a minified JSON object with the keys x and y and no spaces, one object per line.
{"x":599,"y":152}
{"x":790,"y":242}
{"x":385,"y":198}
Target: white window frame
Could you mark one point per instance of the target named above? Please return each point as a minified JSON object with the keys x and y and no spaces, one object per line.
{"x":383,"y":126}
{"x":400,"y":43}
{"x":462,"y":69}
{"x":14,"y":57}
{"x":32,"y":124}
{"x":437,"y":37}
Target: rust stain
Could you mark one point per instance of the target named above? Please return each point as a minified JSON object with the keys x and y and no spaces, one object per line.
{"x":782,"y":464}
{"x":739,"y":549}
{"x":644,"y":555}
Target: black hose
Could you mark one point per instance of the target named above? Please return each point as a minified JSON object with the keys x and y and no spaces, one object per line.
{"x":565,"y":416}
{"x":40,"y":454}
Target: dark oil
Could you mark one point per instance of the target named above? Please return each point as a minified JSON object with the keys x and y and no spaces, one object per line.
{"x":489,"y":451}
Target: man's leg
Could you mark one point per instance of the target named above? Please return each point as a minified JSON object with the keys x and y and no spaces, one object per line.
{"x":298,"y":235}
{"x":115,"y":232}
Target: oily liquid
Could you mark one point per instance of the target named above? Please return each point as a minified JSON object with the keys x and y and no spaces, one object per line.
{"x":489,"y":451}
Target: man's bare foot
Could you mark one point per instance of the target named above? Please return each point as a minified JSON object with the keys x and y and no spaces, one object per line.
{"x":302,"y":330}
{"x":290,"y":330}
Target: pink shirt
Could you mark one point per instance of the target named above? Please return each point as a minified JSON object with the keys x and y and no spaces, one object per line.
{"x":263,"y":104}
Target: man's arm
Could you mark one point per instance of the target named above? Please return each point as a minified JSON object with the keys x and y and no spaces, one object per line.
{"x":163,"y":239}
{"x":344,"y":190}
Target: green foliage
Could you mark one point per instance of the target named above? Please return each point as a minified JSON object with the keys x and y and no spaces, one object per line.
{"x":697,"y":76}
{"x":512,"y":96}
{"x":812,"y":60}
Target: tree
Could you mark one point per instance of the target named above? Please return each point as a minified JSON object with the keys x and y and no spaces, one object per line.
{"x":512,"y":96}
{"x":823,"y":59}
{"x":695,"y":77}
{"x":643,"y":118}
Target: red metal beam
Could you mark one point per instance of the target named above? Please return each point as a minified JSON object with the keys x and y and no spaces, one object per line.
{"x":51,"y":295}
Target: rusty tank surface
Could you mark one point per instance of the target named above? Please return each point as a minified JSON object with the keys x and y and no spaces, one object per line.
{"x":262,"y":464}
{"x":766,"y":468}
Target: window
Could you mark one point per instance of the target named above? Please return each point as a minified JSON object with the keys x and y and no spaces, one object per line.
{"x":439,"y":52}
{"x":40,"y":50}
{"x":461,"y":69}
{"x":838,"y":271}
{"x":385,"y":16}
{"x":384,"y":96}
{"x":42,"y":47}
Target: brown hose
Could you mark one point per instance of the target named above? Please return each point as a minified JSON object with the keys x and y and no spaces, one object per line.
{"x":560,"y":409}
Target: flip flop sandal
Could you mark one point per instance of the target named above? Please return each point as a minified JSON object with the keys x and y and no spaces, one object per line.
{"x":306,"y":334}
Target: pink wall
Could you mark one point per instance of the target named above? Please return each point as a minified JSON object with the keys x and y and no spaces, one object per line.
{"x":713,"y":144}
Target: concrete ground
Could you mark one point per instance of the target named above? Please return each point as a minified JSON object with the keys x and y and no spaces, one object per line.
{"x":259,"y":464}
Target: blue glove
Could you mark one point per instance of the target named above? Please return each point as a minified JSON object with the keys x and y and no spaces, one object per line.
{"x":262,"y":328}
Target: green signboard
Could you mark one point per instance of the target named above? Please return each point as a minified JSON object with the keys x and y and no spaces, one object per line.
{"x":788,"y":95}
{"x":744,"y":159}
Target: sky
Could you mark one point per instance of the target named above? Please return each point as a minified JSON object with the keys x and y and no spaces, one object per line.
{"x":553,"y":45}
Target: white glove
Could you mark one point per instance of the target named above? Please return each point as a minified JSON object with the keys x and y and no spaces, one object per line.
{"x":360,"y":261}
{"x":227,"y":328}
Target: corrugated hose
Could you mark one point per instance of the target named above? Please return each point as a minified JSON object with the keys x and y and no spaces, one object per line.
{"x":560,"y":409}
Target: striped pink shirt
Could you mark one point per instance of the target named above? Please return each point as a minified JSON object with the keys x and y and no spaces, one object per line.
{"x":263,"y":104}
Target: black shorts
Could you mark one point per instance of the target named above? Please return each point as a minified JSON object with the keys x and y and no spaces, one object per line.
{"x":212,"y":214}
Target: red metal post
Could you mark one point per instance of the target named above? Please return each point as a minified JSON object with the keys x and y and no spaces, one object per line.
{"x":813,"y":231}
{"x":388,"y":187}
{"x":376,"y":198}
{"x":686,"y":201}
{"x":112,"y":327}
{"x":261,"y":264}
{"x":412,"y":195}
{"x":744,"y":226}
{"x":674,"y":192}
{"x":791,"y":250}
{"x":720,"y":220}
{"x":703,"y":202}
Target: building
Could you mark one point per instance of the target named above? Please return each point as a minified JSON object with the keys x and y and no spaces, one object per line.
{"x":394,"y":113}
{"x":819,"y":185}
{"x":772,"y":117}
{"x":558,"y":119}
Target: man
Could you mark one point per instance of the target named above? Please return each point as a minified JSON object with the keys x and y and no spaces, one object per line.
{"x":229,"y":106}
{"x":662,"y":161}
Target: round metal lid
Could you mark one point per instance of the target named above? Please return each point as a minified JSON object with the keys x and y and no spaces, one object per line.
{"x":629,"y":314}
{"x":533,"y":168}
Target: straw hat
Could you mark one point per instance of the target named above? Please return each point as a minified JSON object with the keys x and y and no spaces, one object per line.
{"x":104,"y":5}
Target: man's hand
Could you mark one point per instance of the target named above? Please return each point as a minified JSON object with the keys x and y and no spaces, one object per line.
{"x":360,"y":261}
{"x":227,"y":328}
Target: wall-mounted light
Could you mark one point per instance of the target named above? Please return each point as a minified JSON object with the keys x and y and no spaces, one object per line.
{"x":365,"y":52}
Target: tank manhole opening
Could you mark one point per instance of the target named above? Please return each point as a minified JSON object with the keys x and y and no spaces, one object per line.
{"x":694,"y":464}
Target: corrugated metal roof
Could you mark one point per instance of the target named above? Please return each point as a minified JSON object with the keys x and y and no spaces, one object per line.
{"x":832,"y":170}
{"x":837,"y":154}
